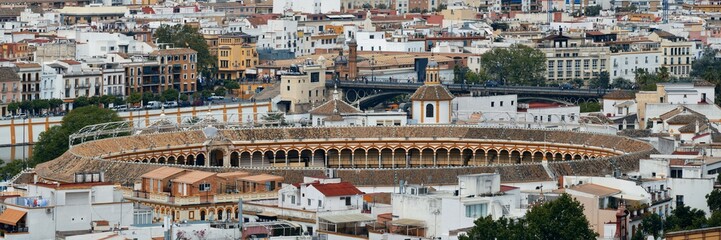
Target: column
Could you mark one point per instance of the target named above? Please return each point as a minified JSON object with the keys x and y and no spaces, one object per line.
{"x":366,"y":158}
{"x":286,"y":159}
{"x":474,"y":158}
{"x":435,"y":158}
{"x":408,"y":159}
{"x":393,"y":159}
{"x":449,"y":157}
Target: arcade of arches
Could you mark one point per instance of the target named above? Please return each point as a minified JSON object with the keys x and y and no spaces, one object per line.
{"x":370,"y":154}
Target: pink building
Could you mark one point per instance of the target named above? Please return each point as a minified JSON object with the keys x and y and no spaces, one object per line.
{"x":9,"y":88}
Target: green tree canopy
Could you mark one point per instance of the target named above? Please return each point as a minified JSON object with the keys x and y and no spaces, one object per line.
{"x":622,"y":83}
{"x":12,"y":107}
{"x":558,"y":219}
{"x":54,"y":142}
{"x":652,"y":224}
{"x":518,"y":64}
{"x":714,"y":200}
{"x":170,"y":94}
{"x":602,"y":81}
{"x":135,"y":98}
{"x":55,"y":103}
{"x":684,"y":218}
{"x":81,"y":101}
{"x":592,"y":11}
{"x":231,"y":84}
{"x":187,"y":36}
{"x":708,"y":68}
{"x":220,"y":91}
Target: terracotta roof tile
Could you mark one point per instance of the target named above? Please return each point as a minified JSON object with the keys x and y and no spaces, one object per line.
{"x":432,"y":93}
{"x":336,"y":189}
{"x":8,"y":74}
{"x":595,"y":189}
{"x":620,"y":94}
{"x":193,"y":177}
{"x":329,"y":107}
{"x":163,"y":173}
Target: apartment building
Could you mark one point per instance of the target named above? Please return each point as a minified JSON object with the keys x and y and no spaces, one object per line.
{"x":30,"y":78}
{"x":571,"y":58}
{"x":303,"y":87}
{"x":9,"y":91}
{"x":627,"y":57}
{"x":677,"y":53}
{"x":70,"y":79}
{"x":162,"y":69}
{"x":236,"y":55}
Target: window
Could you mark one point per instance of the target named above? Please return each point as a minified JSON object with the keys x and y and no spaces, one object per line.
{"x":315,"y":77}
{"x":309,"y":202}
{"x":676,"y":173}
{"x":501,"y":104}
{"x":204,"y":187}
{"x":320,"y":203}
{"x":493,"y":104}
{"x":679,"y":200}
{"x":429,"y":110}
{"x":476,"y":210}
{"x":511,"y":103}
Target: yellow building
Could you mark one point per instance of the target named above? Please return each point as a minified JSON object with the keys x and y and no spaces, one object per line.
{"x":236,"y":55}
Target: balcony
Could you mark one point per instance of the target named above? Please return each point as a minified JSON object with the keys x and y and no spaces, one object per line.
{"x":189,"y":200}
{"x":82,"y":85}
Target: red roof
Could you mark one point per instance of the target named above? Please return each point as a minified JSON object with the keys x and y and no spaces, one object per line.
{"x":700,"y":136}
{"x":505,"y":188}
{"x":685,"y":153}
{"x":337,"y":189}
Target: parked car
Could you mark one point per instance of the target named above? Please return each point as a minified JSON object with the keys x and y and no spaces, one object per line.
{"x":211,"y":98}
{"x":565,"y":86}
{"x":492,"y":84}
{"x":170,"y":104}
{"x":153,"y":105}
{"x":121,"y":108}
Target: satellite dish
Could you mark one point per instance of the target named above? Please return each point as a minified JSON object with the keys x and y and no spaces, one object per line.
{"x":210,"y":132}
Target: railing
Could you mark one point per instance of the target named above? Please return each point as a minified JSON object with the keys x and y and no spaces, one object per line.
{"x":187,"y":200}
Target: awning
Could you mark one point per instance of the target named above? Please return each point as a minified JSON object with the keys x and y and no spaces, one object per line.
{"x":268,"y":214}
{"x":11,"y":216}
{"x":625,"y":104}
{"x":408,"y":222}
{"x":348,"y":218}
{"x":628,"y":197}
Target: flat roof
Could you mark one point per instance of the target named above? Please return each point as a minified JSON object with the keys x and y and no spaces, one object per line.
{"x":348,"y":218}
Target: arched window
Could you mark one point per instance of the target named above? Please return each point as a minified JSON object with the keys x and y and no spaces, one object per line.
{"x":429,"y":110}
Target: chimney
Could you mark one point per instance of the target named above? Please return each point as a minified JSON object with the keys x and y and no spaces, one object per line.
{"x":560,"y":31}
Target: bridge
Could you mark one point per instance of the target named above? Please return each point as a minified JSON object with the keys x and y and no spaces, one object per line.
{"x":370,"y":93}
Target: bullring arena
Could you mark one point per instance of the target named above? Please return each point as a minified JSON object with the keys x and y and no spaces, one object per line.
{"x":365,"y":156}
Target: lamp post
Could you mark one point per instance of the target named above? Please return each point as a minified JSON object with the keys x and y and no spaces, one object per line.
{"x":373,"y":67}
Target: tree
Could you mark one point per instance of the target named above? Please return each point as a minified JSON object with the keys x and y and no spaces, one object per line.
{"x":518,"y":64}
{"x":148,"y":96}
{"x":366,"y":6}
{"x":713,"y":199}
{"x":54,"y":142}
{"x":81,"y":102}
{"x":558,"y":219}
{"x":638,"y":235}
{"x":684,"y":218}
{"x":188,"y":36}
{"x":206,"y":94}
{"x":590,"y":107}
{"x":622,"y":83}
{"x":499,"y":26}
{"x":55,"y":103}
{"x":183,"y":97}
{"x":12,"y":107}
{"x":708,"y":68}
{"x":134,"y":98}
{"x":381,"y":6}
{"x":39,"y":104}
{"x":652,"y":224}
{"x":170,"y":94}
{"x":230,"y":84}
{"x":592,"y":11}
{"x":503,"y":228}
{"x":220,"y":91}
{"x":577,"y":82}
{"x":12,"y":168}
{"x":26,"y":105}
{"x":602,"y":81}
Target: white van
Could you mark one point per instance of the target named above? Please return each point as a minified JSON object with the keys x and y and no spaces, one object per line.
{"x":153,"y":105}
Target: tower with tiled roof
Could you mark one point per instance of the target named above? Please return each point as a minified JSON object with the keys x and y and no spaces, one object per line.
{"x":432,"y":101}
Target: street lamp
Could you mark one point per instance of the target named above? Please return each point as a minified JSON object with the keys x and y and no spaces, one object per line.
{"x":373,"y":67}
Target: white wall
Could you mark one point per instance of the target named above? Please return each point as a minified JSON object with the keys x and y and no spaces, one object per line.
{"x":491,"y":108}
{"x":693,"y":190}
